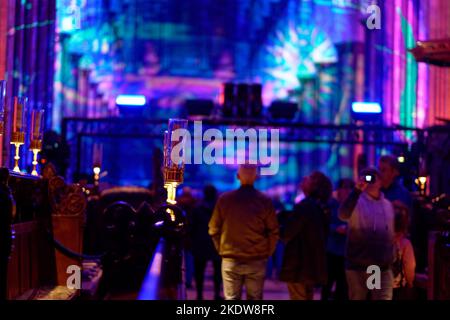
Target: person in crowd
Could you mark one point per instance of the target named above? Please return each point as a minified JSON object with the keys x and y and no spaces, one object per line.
{"x":276,"y":259}
{"x":336,"y":245}
{"x":370,"y":218}
{"x":405,"y":262}
{"x":202,"y":246}
{"x":187,"y":202}
{"x":7,"y":213}
{"x":244,"y":230}
{"x":305,"y":238}
{"x":302,"y":189}
{"x":392,"y":186}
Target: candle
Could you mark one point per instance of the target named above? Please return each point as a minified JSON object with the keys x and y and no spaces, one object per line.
{"x":97,"y":155}
{"x":36,"y":124}
{"x":2,"y":98}
{"x":17,"y":115}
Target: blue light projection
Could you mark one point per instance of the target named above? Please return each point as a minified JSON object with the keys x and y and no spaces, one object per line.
{"x":173,"y":50}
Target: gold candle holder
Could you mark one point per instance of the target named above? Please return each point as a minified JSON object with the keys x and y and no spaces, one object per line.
{"x":36,"y":136}
{"x":173,"y":176}
{"x":173,"y":168}
{"x":422,"y":183}
{"x":35,"y":147}
{"x":18,"y":128}
{"x":17,"y":139}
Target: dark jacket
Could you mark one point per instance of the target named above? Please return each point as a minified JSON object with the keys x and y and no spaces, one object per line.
{"x":305,"y":236}
{"x":202,"y":245}
{"x":6,"y":209}
{"x":244,"y":225}
{"x":397,"y":191}
{"x":336,"y":241}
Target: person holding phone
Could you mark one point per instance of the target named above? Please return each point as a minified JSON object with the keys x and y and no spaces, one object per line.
{"x":370,"y":237}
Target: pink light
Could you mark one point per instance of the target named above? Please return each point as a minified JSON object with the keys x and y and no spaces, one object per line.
{"x":421,"y":95}
{"x":422,"y":77}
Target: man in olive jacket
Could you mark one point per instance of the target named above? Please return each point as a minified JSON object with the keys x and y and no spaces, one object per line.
{"x":244,"y":230}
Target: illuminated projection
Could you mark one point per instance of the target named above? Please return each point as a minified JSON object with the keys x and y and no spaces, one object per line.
{"x":172,"y":50}
{"x":297,"y":55}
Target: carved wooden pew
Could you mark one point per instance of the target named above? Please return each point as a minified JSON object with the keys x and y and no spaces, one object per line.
{"x":37,"y":270}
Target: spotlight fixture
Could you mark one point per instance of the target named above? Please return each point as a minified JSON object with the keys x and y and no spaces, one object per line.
{"x":131,"y":105}
{"x":131,"y":100}
{"x":366,"y":107}
{"x":368,"y":112}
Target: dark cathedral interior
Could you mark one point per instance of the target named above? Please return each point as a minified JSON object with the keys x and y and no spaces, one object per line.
{"x":224,"y":150}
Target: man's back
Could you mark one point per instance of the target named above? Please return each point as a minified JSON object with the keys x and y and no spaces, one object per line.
{"x":244,"y":224}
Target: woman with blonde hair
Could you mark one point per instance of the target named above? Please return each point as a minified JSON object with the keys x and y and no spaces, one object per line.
{"x":405,"y":262}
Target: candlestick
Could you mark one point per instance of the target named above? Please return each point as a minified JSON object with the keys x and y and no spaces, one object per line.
{"x":17,"y":156}
{"x":36,"y":136}
{"x":35,"y":162}
{"x":173,"y":170}
{"x":18,"y":125}
{"x":17,"y":139}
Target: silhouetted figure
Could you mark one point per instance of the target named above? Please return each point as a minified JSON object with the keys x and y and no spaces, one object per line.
{"x":187,"y":203}
{"x":276,"y":260}
{"x":7,"y":208}
{"x":336,"y":245}
{"x":202,"y":246}
{"x":244,"y":229}
{"x":391,"y":184}
{"x":305,"y":237}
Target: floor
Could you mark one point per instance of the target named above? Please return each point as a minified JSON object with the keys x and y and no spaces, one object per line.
{"x":273,"y":289}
